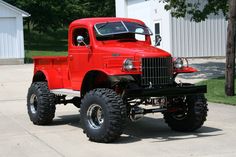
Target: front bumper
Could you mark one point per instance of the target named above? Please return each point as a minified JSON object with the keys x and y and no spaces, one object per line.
{"x":168,"y":91}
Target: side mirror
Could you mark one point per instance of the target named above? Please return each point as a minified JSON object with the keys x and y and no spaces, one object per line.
{"x":80,"y":39}
{"x":158,"y":40}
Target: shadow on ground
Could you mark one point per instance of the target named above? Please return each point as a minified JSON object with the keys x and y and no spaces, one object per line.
{"x":147,"y":128}
{"x":206,"y":70}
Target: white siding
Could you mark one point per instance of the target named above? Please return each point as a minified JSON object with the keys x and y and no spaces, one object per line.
{"x":181,"y":37}
{"x":121,"y":8}
{"x":11,"y":34}
{"x":5,"y":12}
{"x":8,"y":38}
{"x":20,"y":36}
{"x":160,"y":15}
{"x":150,"y":12}
{"x":207,"y":38}
{"x":137,"y":9}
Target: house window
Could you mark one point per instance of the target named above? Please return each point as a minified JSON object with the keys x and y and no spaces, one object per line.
{"x":157,"y":32}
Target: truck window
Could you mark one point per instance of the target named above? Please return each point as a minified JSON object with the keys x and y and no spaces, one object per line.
{"x":80,"y":32}
{"x":121,"y":30}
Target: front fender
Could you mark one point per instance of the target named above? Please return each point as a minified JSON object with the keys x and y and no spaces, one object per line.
{"x":186,"y":69}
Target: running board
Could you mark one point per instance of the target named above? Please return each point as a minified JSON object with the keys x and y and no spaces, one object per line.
{"x":67,"y":92}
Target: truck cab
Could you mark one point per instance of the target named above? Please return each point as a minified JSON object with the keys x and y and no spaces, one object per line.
{"x":110,"y":72}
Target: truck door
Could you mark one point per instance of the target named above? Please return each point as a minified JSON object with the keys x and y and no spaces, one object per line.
{"x":79,"y":60}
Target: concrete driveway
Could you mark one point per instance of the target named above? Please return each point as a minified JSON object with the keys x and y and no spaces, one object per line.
{"x":149,"y":137}
{"x":207,"y":68}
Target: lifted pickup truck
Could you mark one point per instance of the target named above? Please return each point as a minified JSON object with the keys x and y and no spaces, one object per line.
{"x":113,"y":73}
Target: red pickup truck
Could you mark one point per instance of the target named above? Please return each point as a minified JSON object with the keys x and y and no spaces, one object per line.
{"x":112,"y":73}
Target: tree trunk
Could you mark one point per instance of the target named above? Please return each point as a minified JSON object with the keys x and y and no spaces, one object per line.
{"x":230,"y":50}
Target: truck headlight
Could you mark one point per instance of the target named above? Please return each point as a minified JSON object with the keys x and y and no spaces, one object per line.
{"x":128,"y":64}
{"x":180,"y":63}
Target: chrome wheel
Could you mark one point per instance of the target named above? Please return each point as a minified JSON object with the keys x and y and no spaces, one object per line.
{"x":190,"y":116}
{"x":33,"y":103}
{"x":103,"y":115}
{"x":95,"y":116}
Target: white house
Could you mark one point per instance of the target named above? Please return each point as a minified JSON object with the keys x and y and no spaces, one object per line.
{"x":11,"y":34}
{"x":180,"y":36}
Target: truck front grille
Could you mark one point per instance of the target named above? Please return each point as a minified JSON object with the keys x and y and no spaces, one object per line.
{"x":156,"y":71}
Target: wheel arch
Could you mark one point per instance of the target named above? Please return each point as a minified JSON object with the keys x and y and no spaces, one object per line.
{"x":39,"y":76}
{"x":95,"y":79}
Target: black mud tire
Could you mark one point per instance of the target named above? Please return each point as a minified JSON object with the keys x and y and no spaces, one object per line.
{"x":40,"y":104}
{"x":194,"y":117}
{"x":112,"y":110}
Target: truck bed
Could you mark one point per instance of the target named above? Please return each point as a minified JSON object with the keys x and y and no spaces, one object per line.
{"x":57,"y":68}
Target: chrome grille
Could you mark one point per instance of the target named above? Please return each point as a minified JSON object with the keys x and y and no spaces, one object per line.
{"x":156,"y":71}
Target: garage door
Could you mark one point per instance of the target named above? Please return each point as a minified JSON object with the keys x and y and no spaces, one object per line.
{"x":8,"y":42}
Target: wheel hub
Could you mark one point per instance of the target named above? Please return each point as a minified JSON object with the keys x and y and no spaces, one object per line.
{"x":33,"y":103}
{"x":95,"y":116}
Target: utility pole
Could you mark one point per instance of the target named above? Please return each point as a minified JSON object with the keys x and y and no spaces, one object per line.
{"x":230,"y":50}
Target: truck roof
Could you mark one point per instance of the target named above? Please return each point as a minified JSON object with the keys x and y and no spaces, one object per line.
{"x":92,"y":21}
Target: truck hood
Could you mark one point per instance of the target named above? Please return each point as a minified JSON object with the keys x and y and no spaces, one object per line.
{"x":137,"y":49}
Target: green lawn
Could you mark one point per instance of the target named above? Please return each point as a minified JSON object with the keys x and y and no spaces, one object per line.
{"x":30,"y":54}
{"x":216,"y":93}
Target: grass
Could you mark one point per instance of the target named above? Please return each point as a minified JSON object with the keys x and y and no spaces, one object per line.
{"x":216,"y":92}
{"x":30,"y":54}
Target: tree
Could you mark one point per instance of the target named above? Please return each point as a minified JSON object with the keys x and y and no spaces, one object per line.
{"x":100,"y":8}
{"x":53,"y":14}
{"x":44,"y":13}
{"x":230,"y":51}
{"x":199,"y":11}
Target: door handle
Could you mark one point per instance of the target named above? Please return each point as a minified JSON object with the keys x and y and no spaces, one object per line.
{"x":70,"y":57}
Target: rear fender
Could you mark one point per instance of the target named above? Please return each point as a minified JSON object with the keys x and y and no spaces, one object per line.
{"x":53,"y":78}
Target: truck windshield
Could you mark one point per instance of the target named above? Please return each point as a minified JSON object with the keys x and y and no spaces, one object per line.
{"x":121,"y":27}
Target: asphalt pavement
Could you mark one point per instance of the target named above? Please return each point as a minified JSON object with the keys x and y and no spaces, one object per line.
{"x":64,"y":137}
